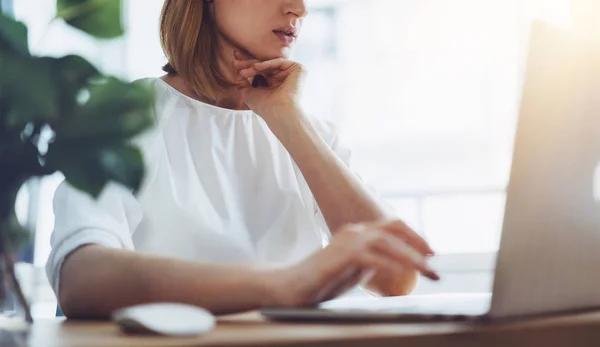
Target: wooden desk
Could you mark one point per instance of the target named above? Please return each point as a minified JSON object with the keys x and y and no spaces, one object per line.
{"x":251,"y":330}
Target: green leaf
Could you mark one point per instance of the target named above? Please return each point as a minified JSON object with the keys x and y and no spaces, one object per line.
{"x":13,"y":36}
{"x":124,"y":165}
{"x":80,"y":168}
{"x":89,"y":169}
{"x":115,"y":110}
{"x":71,"y":74}
{"x":28,"y":89}
{"x":21,"y":160}
{"x":42,"y":89}
{"x":90,"y":147}
{"x":99,"y":18}
{"x":75,"y":71}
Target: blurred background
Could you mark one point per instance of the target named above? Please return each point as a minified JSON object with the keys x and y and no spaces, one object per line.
{"x":425,"y":92}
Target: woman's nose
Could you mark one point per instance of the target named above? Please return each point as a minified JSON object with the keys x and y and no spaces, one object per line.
{"x":296,"y":7}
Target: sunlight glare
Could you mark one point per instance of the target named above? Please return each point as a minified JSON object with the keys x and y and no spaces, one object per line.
{"x":556,"y":12}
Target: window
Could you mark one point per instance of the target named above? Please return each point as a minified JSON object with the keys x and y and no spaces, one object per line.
{"x":426,"y":93}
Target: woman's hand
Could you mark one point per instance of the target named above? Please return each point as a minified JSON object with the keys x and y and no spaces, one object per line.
{"x":284,"y":78}
{"x":355,"y":254}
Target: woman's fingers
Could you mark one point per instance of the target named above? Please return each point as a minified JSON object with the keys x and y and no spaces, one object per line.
{"x":335,"y":283}
{"x":403,"y":231}
{"x":280,"y":75}
{"x":378,"y":262}
{"x":356,"y":253}
{"x":401,"y":252}
{"x":246,"y":77}
{"x":275,"y":64}
{"x":275,"y":70}
{"x":346,"y":283}
{"x":243,"y":64}
{"x":372,"y":237}
{"x":243,"y":61}
{"x":251,"y":72}
{"x":250,"y":78}
{"x":244,"y":83}
{"x":248,"y":73}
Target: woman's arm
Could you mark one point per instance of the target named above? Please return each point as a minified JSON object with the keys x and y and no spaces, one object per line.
{"x":339,"y":194}
{"x":96,"y":280}
{"x":341,"y":197}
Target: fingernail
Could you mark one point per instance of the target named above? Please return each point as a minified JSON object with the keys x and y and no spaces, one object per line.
{"x":260,"y":81}
{"x":431,"y":273}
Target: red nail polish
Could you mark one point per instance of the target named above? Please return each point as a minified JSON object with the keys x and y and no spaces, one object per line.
{"x":260,"y":81}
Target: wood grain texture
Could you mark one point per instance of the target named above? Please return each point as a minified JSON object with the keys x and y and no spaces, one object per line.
{"x":251,"y":330}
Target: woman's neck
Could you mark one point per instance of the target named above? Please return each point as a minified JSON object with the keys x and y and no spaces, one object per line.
{"x":230,"y":98}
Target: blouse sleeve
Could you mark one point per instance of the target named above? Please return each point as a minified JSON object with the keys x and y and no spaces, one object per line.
{"x":80,"y":220}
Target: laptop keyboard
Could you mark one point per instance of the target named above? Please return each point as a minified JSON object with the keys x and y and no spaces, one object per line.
{"x":429,"y":304}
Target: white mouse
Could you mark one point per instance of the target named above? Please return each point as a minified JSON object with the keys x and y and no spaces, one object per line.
{"x":165,"y":319}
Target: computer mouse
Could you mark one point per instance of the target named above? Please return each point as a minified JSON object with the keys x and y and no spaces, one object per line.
{"x":164,"y":319}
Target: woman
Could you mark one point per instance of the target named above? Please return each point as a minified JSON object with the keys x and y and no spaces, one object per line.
{"x":238,"y":188}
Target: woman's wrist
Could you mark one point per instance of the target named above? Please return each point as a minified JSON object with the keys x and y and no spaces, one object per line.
{"x":292,"y":127}
{"x":271,"y":282}
{"x":280,"y":114}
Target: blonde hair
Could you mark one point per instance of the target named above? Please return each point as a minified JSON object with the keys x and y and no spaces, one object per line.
{"x":188,"y":39}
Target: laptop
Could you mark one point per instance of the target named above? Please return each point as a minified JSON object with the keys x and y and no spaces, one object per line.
{"x":549,"y":255}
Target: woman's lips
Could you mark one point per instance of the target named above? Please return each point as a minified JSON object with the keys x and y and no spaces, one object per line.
{"x":286,"y":38}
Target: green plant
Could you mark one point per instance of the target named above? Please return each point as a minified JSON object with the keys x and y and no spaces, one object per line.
{"x":62,"y":114}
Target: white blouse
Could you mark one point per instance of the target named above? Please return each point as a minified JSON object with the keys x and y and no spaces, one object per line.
{"x":219,"y":187}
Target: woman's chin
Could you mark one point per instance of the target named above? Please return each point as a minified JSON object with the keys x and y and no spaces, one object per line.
{"x":274,"y":53}
{"x":285,"y":52}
